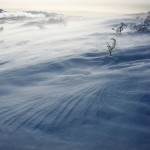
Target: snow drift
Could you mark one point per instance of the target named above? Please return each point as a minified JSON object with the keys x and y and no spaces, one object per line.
{"x":59,"y":89}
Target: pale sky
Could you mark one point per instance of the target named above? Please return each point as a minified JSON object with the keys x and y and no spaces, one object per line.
{"x":79,"y":6}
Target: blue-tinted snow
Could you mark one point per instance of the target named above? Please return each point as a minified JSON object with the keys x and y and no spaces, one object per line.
{"x":59,"y":89}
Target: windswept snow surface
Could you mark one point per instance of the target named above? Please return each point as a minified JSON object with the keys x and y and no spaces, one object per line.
{"x":59,"y":89}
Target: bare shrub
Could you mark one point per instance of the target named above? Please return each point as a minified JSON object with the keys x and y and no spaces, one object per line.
{"x":142,"y":29}
{"x":111,"y":47}
{"x":119,"y":29}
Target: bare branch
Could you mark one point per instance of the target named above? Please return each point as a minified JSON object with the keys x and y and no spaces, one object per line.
{"x":119,"y":29}
{"x":110,"y":48}
{"x":142,"y":29}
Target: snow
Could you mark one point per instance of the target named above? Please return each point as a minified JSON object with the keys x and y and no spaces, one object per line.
{"x":60,"y":89}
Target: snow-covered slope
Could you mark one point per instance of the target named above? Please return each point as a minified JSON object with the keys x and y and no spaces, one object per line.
{"x":59,"y":89}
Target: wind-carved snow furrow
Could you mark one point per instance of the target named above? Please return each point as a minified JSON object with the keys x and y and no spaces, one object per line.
{"x":59,"y":116}
{"x":12,"y":109}
{"x":37,"y":111}
{"x":24,"y":113}
{"x":57,"y":107}
{"x":4,"y":110}
{"x":49,"y":112}
{"x":40,"y":112}
{"x":34,"y":116}
{"x":59,"y":111}
{"x":92,"y":100}
{"x":72,"y":109}
{"x":13,"y":118}
{"x":84,"y":97}
{"x":89,"y":107}
{"x":76,"y":99}
{"x":73,"y":105}
{"x":11,"y":112}
{"x":95,"y":106}
{"x":65,"y":112}
{"x":100,"y":102}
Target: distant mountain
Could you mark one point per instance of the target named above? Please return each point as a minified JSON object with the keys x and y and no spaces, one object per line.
{"x":47,"y":14}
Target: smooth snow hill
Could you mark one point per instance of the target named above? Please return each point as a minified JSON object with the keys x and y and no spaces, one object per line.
{"x":59,"y":89}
